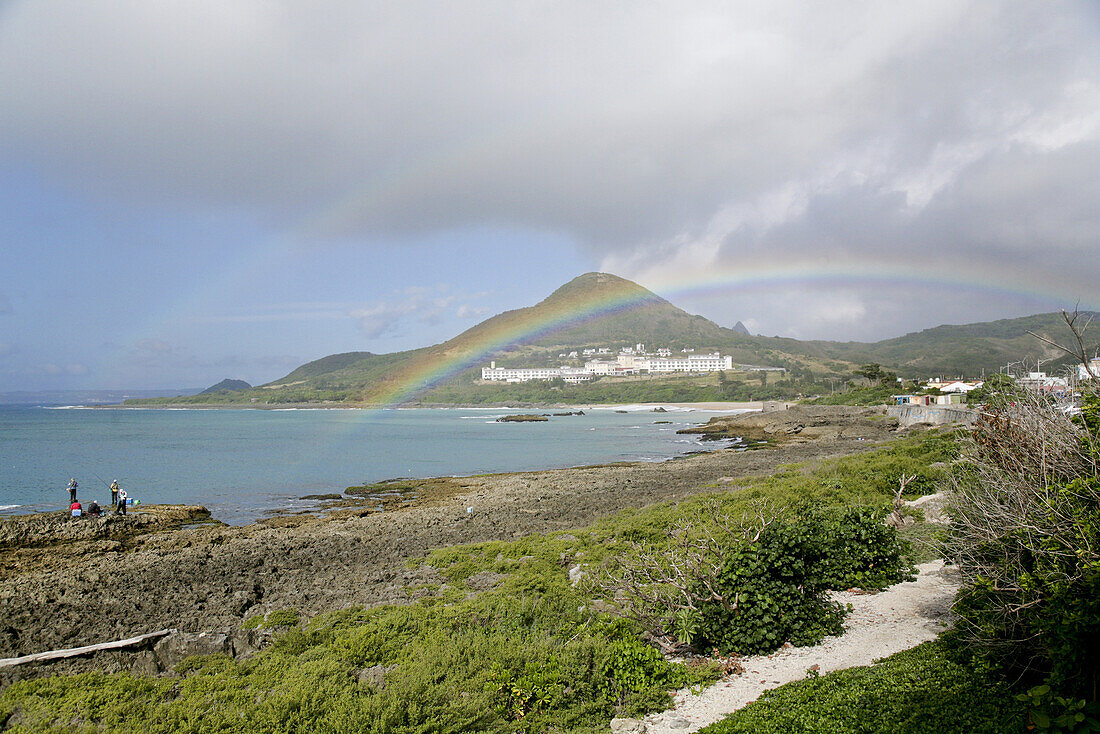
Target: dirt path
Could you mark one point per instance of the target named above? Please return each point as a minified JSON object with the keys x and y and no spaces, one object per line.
{"x":897,"y":619}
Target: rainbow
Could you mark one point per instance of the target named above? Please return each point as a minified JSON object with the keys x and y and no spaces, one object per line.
{"x":436,"y":366}
{"x":992,"y":279}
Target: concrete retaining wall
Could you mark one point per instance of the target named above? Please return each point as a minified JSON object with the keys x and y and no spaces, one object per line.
{"x":937,"y":415}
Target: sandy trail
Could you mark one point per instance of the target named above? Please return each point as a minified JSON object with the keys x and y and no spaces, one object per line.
{"x":880,"y":625}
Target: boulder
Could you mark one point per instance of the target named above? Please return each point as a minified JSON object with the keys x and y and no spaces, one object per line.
{"x":244,"y":643}
{"x":374,"y":676}
{"x":146,"y":663}
{"x":628,"y":726}
{"x":485,"y":580}
{"x":175,"y":647}
{"x":934,"y":507}
{"x":47,"y":528}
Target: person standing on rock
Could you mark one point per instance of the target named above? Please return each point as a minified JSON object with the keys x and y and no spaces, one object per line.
{"x":114,"y":492}
{"x":121,"y":507}
{"x":72,"y":489}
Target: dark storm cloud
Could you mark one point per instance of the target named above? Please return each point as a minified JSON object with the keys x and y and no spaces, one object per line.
{"x":661,"y":137}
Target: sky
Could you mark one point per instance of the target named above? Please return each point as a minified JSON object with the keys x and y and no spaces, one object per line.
{"x":197,"y":190}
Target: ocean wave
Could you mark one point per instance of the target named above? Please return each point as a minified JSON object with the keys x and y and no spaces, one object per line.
{"x":649,"y":408}
{"x":9,"y":507}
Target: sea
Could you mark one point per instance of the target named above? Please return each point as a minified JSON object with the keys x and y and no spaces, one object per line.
{"x":247,"y":464}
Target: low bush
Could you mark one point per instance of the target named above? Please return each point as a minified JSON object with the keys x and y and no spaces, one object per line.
{"x":773,"y":592}
{"x":919,"y":691}
{"x":747,"y":587}
{"x":856,"y":548}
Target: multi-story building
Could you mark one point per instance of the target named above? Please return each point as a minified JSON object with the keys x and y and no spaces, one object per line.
{"x":526,"y":374}
{"x":628,"y":362}
{"x":1094,"y":365}
{"x":693,"y":363}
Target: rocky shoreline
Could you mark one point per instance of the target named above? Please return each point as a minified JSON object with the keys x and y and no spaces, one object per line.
{"x":754,"y":405}
{"x":801,"y":423}
{"x":205,"y":577}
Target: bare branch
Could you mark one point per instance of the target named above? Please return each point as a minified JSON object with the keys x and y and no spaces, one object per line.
{"x":1079,"y":351}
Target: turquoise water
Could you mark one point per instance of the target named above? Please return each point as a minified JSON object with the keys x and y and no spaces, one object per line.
{"x":244,"y":464}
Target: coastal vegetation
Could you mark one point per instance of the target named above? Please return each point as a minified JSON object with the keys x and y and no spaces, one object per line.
{"x":502,"y":640}
{"x":745,"y":587}
{"x":1026,"y":537}
{"x":1025,"y":504}
{"x":918,"y":691}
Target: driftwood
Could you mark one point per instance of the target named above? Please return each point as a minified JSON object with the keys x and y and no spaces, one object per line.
{"x":75,"y":651}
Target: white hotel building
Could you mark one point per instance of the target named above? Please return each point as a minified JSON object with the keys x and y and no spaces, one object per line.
{"x":628,"y":363}
{"x":693,"y":363}
{"x":526,"y":374}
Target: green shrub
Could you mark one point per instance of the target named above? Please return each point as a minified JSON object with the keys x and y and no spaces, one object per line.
{"x":282,"y":618}
{"x":919,"y":691}
{"x":1047,"y":711}
{"x":749,"y":587}
{"x":859,"y":548}
{"x":253,"y":622}
{"x":773,"y":592}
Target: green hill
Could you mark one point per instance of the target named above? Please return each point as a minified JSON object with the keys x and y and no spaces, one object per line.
{"x":602,"y":310}
{"x":962,"y":350}
{"x":225,"y":385}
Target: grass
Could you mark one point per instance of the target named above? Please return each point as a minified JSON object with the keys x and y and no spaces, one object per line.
{"x":918,"y":691}
{"x":533,"y":653}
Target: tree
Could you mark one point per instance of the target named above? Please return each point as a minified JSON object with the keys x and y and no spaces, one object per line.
{"x":872,"y":372}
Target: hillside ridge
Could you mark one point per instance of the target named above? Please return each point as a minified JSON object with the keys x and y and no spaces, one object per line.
{"x":604,"y":310}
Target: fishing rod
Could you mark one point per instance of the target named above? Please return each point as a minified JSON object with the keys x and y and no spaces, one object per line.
{"x":108,"y":486}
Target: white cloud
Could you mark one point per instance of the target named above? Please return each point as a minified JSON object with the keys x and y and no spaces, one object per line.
{"x":72,"y":369}
{"x":414,"y":304}
{"x":615,"y":122}
{"x":465,"y":311}
{"x":380,"y":318}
